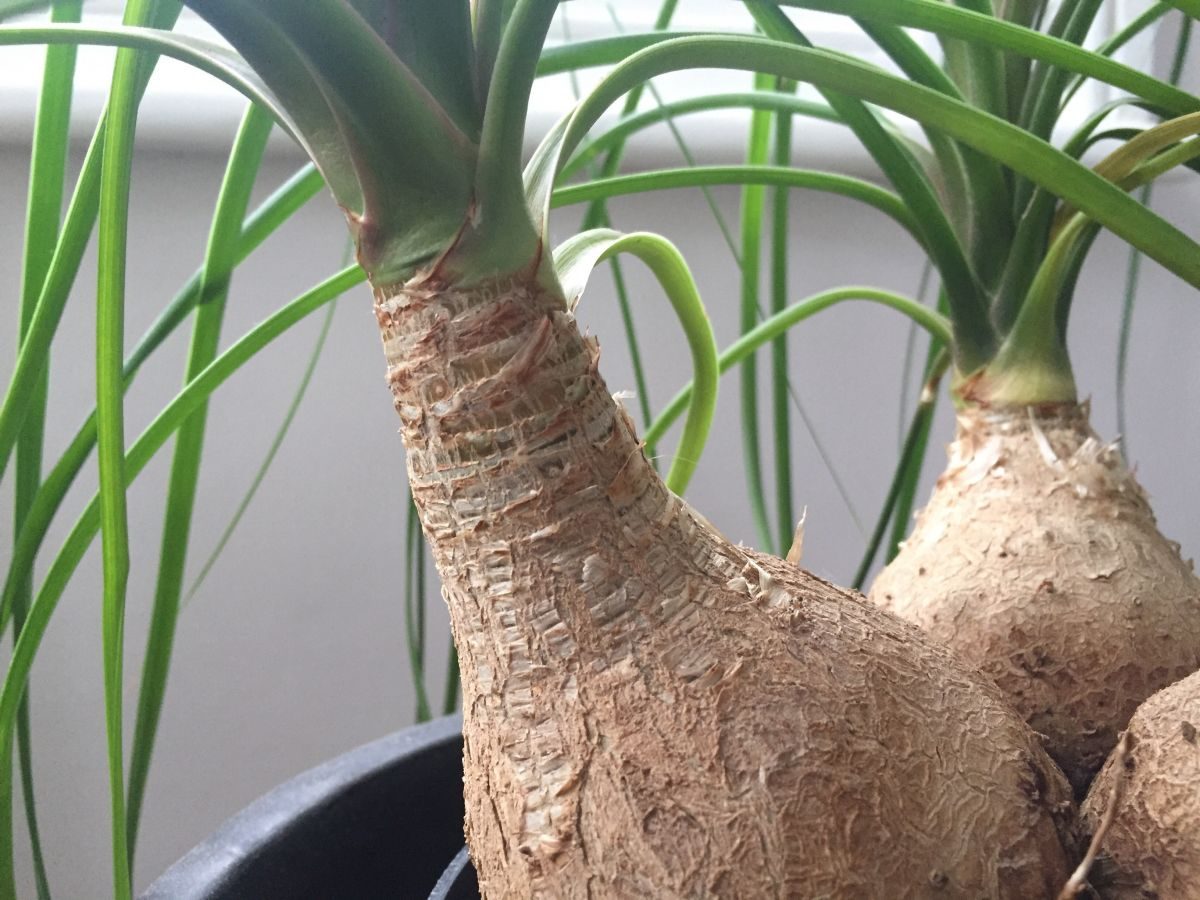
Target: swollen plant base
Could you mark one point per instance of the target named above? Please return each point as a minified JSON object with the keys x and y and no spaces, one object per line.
{"x":1038,"y":559}
{"x":650,"y":711}
{"x":1152,"y":848}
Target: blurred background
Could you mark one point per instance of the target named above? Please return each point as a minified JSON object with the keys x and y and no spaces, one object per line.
{"x":293,"y":648}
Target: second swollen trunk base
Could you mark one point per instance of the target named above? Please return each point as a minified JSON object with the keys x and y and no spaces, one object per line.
{"x":651,"y":711}
{"x":1038,"y":559}
{"x":1152,"y":848}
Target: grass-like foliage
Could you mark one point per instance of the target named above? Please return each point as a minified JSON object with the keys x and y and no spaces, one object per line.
{"x":414,"y":114}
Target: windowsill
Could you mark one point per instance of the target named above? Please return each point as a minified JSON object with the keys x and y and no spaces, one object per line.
{"x":185,"y":109}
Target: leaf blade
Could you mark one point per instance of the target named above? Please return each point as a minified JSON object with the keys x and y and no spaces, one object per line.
{"x":241,"y":174}
{"x":574,"y":261}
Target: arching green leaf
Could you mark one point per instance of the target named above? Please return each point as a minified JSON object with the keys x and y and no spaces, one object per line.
{"x":574,"y":261}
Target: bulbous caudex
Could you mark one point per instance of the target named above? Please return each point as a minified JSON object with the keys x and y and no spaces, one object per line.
{"x":1038,"y":559}
{"x":651,"y":711}
{"x":1152,"y":845}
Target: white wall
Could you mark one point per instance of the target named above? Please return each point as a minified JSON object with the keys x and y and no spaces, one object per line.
{"x":294,"y":649}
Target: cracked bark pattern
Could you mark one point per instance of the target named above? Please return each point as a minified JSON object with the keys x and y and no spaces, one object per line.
{"x":1038,"y":559}
{"x":1152,"y":849}
{"x":652,"y":712}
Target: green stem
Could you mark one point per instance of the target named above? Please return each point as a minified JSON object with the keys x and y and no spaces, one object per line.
{"x":911,"y":455}
{"x":414,"y":599}
{"x":753,"y":202}
{"x":1032,"y":366}
{"x":506,"y":235}
{"x":450,"y":696}
{"x":785,"y":514}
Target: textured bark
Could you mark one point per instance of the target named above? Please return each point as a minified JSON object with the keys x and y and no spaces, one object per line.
{"x":650,"y":711}
{"x":1038,"y":559}
{"x":1152,"y":849}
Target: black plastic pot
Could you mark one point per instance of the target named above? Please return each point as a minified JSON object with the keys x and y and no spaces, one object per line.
{"x":384,"y":820}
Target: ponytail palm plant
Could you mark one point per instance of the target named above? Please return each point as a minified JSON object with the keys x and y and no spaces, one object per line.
{"x":589,"y":604}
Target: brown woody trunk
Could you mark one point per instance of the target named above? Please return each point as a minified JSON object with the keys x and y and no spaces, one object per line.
{"x":650,"y":711}
{"x":1152,"y":848}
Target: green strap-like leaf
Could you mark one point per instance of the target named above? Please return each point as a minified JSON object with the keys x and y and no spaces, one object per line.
{"x":907,"y":471}
{"x":47,"y":181}
{"x":12,"y":8}
{"x":630,"y":125}
{"x":1048,"y":84}
{"x":1182,"y":44}
{"x":138,"y":456}
{"x":433,"y":38}
{"x":220,"y":259}
{"x":765,"y":176}
{"x":1188,"y":7}
{"x":597,"y":216}
{"x":1033,"y":228}
{"x":975,"y":340}
{"x":273,"y":212}
{"x":260,"y":473}
{"x":758,"y":148}
{"x":975,"y":188}
{"x":575,"y":260}
{"x":1032,"y":366}
{"x":365,"y":117}
{"x":1000,"y":140}
{"x":936,"y":324}
{"x":781,"y":152}
{"x":950,"y":21}
{"x":503,"y":235}
{"x":414,"y":606}
{"x":602,"y":51}
{"x":82,"y":209}
{"x":203,"y":55}
{"x":936,"y":364}
{"x":1138,"y":25}
{"x":489,"y":27}
{"x":978,"y":70}
{"x":113,"y":235}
